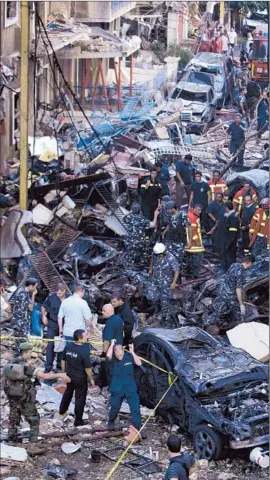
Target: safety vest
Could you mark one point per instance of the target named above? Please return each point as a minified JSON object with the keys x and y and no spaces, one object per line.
{"x":194,"y":234}
{"x":238,"y":199}
{"x":259,"y":226}
{"x":220,"y":186}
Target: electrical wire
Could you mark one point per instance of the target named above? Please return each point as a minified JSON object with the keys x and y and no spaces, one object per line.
{"x":70,"y":89}
{"x":34,"y":102}
{"x":58,"y":87}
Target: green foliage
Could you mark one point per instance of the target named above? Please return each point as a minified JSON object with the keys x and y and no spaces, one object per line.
{"x":173,"y":50}
{"x":183,"y":53}
{"x":253,"y":6}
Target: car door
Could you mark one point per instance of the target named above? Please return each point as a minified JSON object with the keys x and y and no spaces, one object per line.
{"x":154,"y":380}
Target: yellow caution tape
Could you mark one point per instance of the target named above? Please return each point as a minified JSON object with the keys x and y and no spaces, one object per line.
{"x":108,"y":476}
{"x":33,"y":339}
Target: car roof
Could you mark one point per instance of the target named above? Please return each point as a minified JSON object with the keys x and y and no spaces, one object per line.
{"x":208,"y":57}
{"x":193,"y":87}
{"x":207,"y":364}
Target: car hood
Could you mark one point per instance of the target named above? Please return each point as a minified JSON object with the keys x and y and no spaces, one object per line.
{"x":208,"y":370}
{"x":195,"y":107}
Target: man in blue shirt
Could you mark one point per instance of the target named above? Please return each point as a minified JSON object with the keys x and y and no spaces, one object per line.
{"x":200,"y":195}
{"x":49,"y":310}
{"x":163,"y":177}
{"x":113,"y":327}
{"x":180,"y":464}
{"x":123,"y":385}
{"x":184,"y":178}
{"x":237,"y":131}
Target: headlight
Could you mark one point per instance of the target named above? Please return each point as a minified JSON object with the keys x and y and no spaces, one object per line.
{"x":265,"y":70}
{"x":259,"y":70}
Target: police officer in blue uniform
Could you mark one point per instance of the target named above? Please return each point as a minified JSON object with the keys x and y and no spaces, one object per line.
{"x":231,"y":294}
{"x":123,"y":385}
{"x":163,"y":177}
{"x":175,"y":232}
{"x":137,"y":238}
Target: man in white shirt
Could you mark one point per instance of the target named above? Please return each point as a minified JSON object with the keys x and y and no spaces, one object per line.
{"x":224,"y":40}
{"x":232,"y":36}
{"x":76,"y":314}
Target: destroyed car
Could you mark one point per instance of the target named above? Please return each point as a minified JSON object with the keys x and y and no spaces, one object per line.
{"x":197,"y":105}
{"x":212,"y":63}
{"x":220,"y":397}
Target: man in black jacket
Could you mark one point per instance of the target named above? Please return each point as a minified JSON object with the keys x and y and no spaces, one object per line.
{"x":124,"y":311}
{"x":253,"y":96}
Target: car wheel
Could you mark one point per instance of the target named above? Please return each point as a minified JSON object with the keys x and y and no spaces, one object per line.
{"x":208,"y":443}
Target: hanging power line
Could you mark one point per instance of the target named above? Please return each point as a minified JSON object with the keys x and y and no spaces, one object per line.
{"x":58,"y":66}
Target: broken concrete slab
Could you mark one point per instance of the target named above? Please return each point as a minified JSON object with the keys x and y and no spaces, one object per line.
{"x":252,"y":337}
{"x":8,"y":452}
{"x":13,"y":242}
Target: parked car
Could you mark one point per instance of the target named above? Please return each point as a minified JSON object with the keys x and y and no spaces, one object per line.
{"x":197,"y":105}
{"x":212,"y":63}
{"x":220,"y":397}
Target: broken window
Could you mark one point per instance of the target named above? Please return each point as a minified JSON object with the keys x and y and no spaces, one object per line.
{"x":11,"y":13}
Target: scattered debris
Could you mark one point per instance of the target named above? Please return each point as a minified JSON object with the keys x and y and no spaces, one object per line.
{"x":70,"y":447}
{"x":17,"y":454}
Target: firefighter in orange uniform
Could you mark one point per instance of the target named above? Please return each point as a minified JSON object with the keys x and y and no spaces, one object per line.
{"x":194,"y":246}
{"x":238,"y":199}
{"x":259,"y":229}
{"x":217,"y":185}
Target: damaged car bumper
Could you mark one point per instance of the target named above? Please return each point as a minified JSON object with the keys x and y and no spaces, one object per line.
{"x":251,"y":442}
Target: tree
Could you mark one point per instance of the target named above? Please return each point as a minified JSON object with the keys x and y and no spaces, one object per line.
{"x":252,"y":6}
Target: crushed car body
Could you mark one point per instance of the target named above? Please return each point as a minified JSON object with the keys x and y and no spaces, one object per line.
{"x":212,"y":63}
{"x":220,"y":397}
{"x":197,"y":105}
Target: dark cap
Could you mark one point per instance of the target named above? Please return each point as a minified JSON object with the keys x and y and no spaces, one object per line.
{"x":169,"y":205}
{"x":166,"y":198}
{"x":136,"y":208}
{"x":26,"y":346}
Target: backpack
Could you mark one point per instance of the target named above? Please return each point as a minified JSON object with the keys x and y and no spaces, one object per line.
{"x":17,"y":382}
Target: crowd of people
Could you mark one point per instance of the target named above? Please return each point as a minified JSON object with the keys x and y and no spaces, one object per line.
{"x":246,"y":94}
{"x":168,"y":230}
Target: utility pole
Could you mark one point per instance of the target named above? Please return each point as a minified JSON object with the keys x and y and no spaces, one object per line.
{"x":221,"y":13}
{"x":24,"y":106}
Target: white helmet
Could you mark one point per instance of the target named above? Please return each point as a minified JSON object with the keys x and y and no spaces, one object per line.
{"x":159,"y":248}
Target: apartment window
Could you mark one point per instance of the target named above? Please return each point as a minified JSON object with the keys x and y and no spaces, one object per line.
{"x":11,"y":13}
{"x":15,"y":117}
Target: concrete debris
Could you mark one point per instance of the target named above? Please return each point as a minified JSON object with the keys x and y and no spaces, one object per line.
{"x":70,"y":447}
{"x":252,"y":337}
{"x":8,"y":452}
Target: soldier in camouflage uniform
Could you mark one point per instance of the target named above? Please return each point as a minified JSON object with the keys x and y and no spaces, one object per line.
{"x":175,"y":232}
{"x":164,"y":273}
{"x":24,"y":300}
{"x":19,"y":386}
{"x":135,"y":240}
{"x":230,"y":298}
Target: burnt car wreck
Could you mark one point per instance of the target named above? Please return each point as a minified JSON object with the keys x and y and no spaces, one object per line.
{"x":220,"y":397}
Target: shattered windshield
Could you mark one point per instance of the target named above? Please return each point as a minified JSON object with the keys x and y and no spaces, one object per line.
{"x":190,"y":96}
{"x":213,"y":70}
